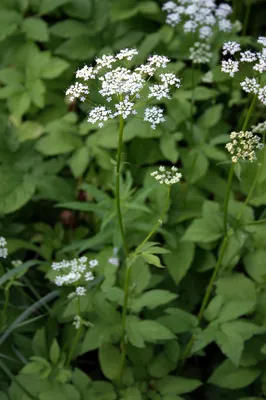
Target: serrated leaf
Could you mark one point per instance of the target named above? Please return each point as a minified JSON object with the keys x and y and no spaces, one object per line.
{"x":152,"y":331}
{"x":231,"y":343}
{"x":152,"y":299}
{"x":152,"y":259}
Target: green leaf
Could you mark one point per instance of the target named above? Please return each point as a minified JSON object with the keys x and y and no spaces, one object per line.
{"x":237,"y":286}
{"x":77,"y":48}
{"x":152,"y":299}
{"x":54,"y":352}
{"x":160,"y":366}
{"x":69,"y":28}
{"x":79,"y":161}
{"x":16,"y":189}
{"x":168,"y":147}
{"x":29,"y":130}
{"x":46,"y":6}
{"x":235,"y":308}
{"x":244,"y":328}
{"x":152,"y":259}
{"x":55,"y":67}
{"x":131,"y":393}
{"x":255,"y":265}
{"x":211,"y":116}
{"x":109,"y":357}
{"x":202,"y":230}
{"x":231,"y":343}
{"x":81,"y":381}
{"x":133,"y":333}
{"x":180,"y":260}
{"x":57,"y":143}
{"x":177,"y":385}
{"x":35,"y":29}
{"x":152,"y":331}
{"x":205,"y":337}
{"x":19,"y":103}
{"x":196,"y":165}
{"x":228,"y":376}
{"x":179,"y":321}
{"x":39,"y":343}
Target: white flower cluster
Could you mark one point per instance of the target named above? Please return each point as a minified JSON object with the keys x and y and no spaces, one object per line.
{"x":259,"y":128}
{"x":167,"y":176}
{"x":243,"y":145}
{"x":200,"y":53}
{"x":230,"y":66}
{"x":198,"y":15}
{"x":77,"y":321}
{"x":121,"y":87}
{"x":3,"y":248}
{"x":74,"y":272}
{"x":114,"y":260}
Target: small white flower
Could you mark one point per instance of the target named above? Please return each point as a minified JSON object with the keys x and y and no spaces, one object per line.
{"x":200,"y":53}
{"x":259,"y":128}
{"x":86,"y":73}
{"x":243,"y":145}
{"x":248,"y":56}
{"x":170,"y":79}
{"x":159,"y":92}
{"x":154,"y":115}
{"x":230,"y":67}
{"x":250,"y":85}
{"x":167,"y":176}
{"x":262,"y":40}
{"x":89,"y":276}
{"x":231,"y":48}
{"x":3,"y":247}
{"x":114,"y":261}
{"x":104,"y":61}
{"x":124,"y":108}
{"x":158,"y":61}
{"x":93,"y":263}
{"x":128,"y":54}
{"x":77,"y":90}
{"x":262,"y":95}
{"x":77,"y":321}
{"x":100,"y":113}
{"x":81,"y":291}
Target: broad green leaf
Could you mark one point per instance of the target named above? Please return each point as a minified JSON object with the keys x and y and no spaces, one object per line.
{"x":55,"y":67}
{"x":160,"y":366}
{"x":228,"y":376}
{"x":79,"y":162}
{"x":152,"y":259}
{"x":213,"y":309}
{"x":36,"y":29}
{"x":46,"y":6}
{"x":244,"y":328}
{"x":54,"y":352}
{"x":133,"y":333}
{"x":230,"y":343}
{"x":152,"y":299}
{"x":202,"y":230}
{"x":64,"y":392}
{"x":237,"y":286}
{"x":255,"y":265}
{"x":132,"y":393}
{"x":152,"y":331}
{"x":19,"y":103}
{"x":109,"y":357}
{"x":179,"y":260}
{"x":29,"y":130}
{"x":179,"y":321}
{"x":140,"y":275}
{"x":234,"y":308}
{"x":77,"y":48}
{"x":205,"y":337}
{"x":211,"y":116}
{"x":81,"y":381}
{"x":168,"y":147}
{"x":57,"y":143}
{"x":39,"y":343}
{"x":196,"y":165}
{"x":69,"y":28}
{"x":177,"y":385}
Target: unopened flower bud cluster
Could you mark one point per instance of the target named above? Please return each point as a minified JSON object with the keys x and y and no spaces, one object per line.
{"x":167,"y":176}
{"x":3,"y":248}
{"x":121,"y":87}
{"x":257,"y":60}
{"x":243,"y":145}
{"x":200,"y":53}
{"x":74,"y":272}
{"x":259,"y":128}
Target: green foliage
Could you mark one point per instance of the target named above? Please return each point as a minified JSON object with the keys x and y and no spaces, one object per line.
{"x":57,"y":202}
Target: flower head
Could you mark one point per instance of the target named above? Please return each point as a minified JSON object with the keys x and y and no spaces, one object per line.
{"x":167,"y":176}
{"x":231,"y":48}
{"x":74,"y":272}
{"x":230,"y":67}
{"x":243,"y":145}
{"x":200,"y":53}
{"x":77,"y":321}
{"x":3,"y":248}
{"x":121,"y":87}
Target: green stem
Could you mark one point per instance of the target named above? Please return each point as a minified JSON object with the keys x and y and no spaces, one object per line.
{"x":206,"y":297}
{"x":247,"y":14}
{"x":159,"y":222}
{"x":76,"y":339}
{"x":123,"y":323}
{"x":250,"y":193}
{"x":229,"y":184}
{"x":249,"y":113}
{"x":192,"y":102}
{"x":117,"y":194}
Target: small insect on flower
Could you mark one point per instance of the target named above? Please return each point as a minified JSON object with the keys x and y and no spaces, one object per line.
{"x":167,"y":176}
{"x":121,"y":87}
{"x":3,"y":247}
{"x":243,"y":145}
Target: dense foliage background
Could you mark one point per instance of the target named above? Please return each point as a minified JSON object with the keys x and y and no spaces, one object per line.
{"x":57,"y":202}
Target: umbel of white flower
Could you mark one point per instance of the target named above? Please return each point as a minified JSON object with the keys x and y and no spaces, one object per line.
{"x":121,"y":87}
{"x":167,"y":176}
{"x":199,"y":16}
{"x":243,"y":145}
{"x":74,"y":272}
{"x":3,"y":248}
{"x":257,"y":62}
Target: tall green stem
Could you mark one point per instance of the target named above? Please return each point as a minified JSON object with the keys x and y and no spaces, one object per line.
{"x":76,"y":339}
{"x":117,"y":194}
{"x":247,"y":14}
{"x":224,"y":243}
